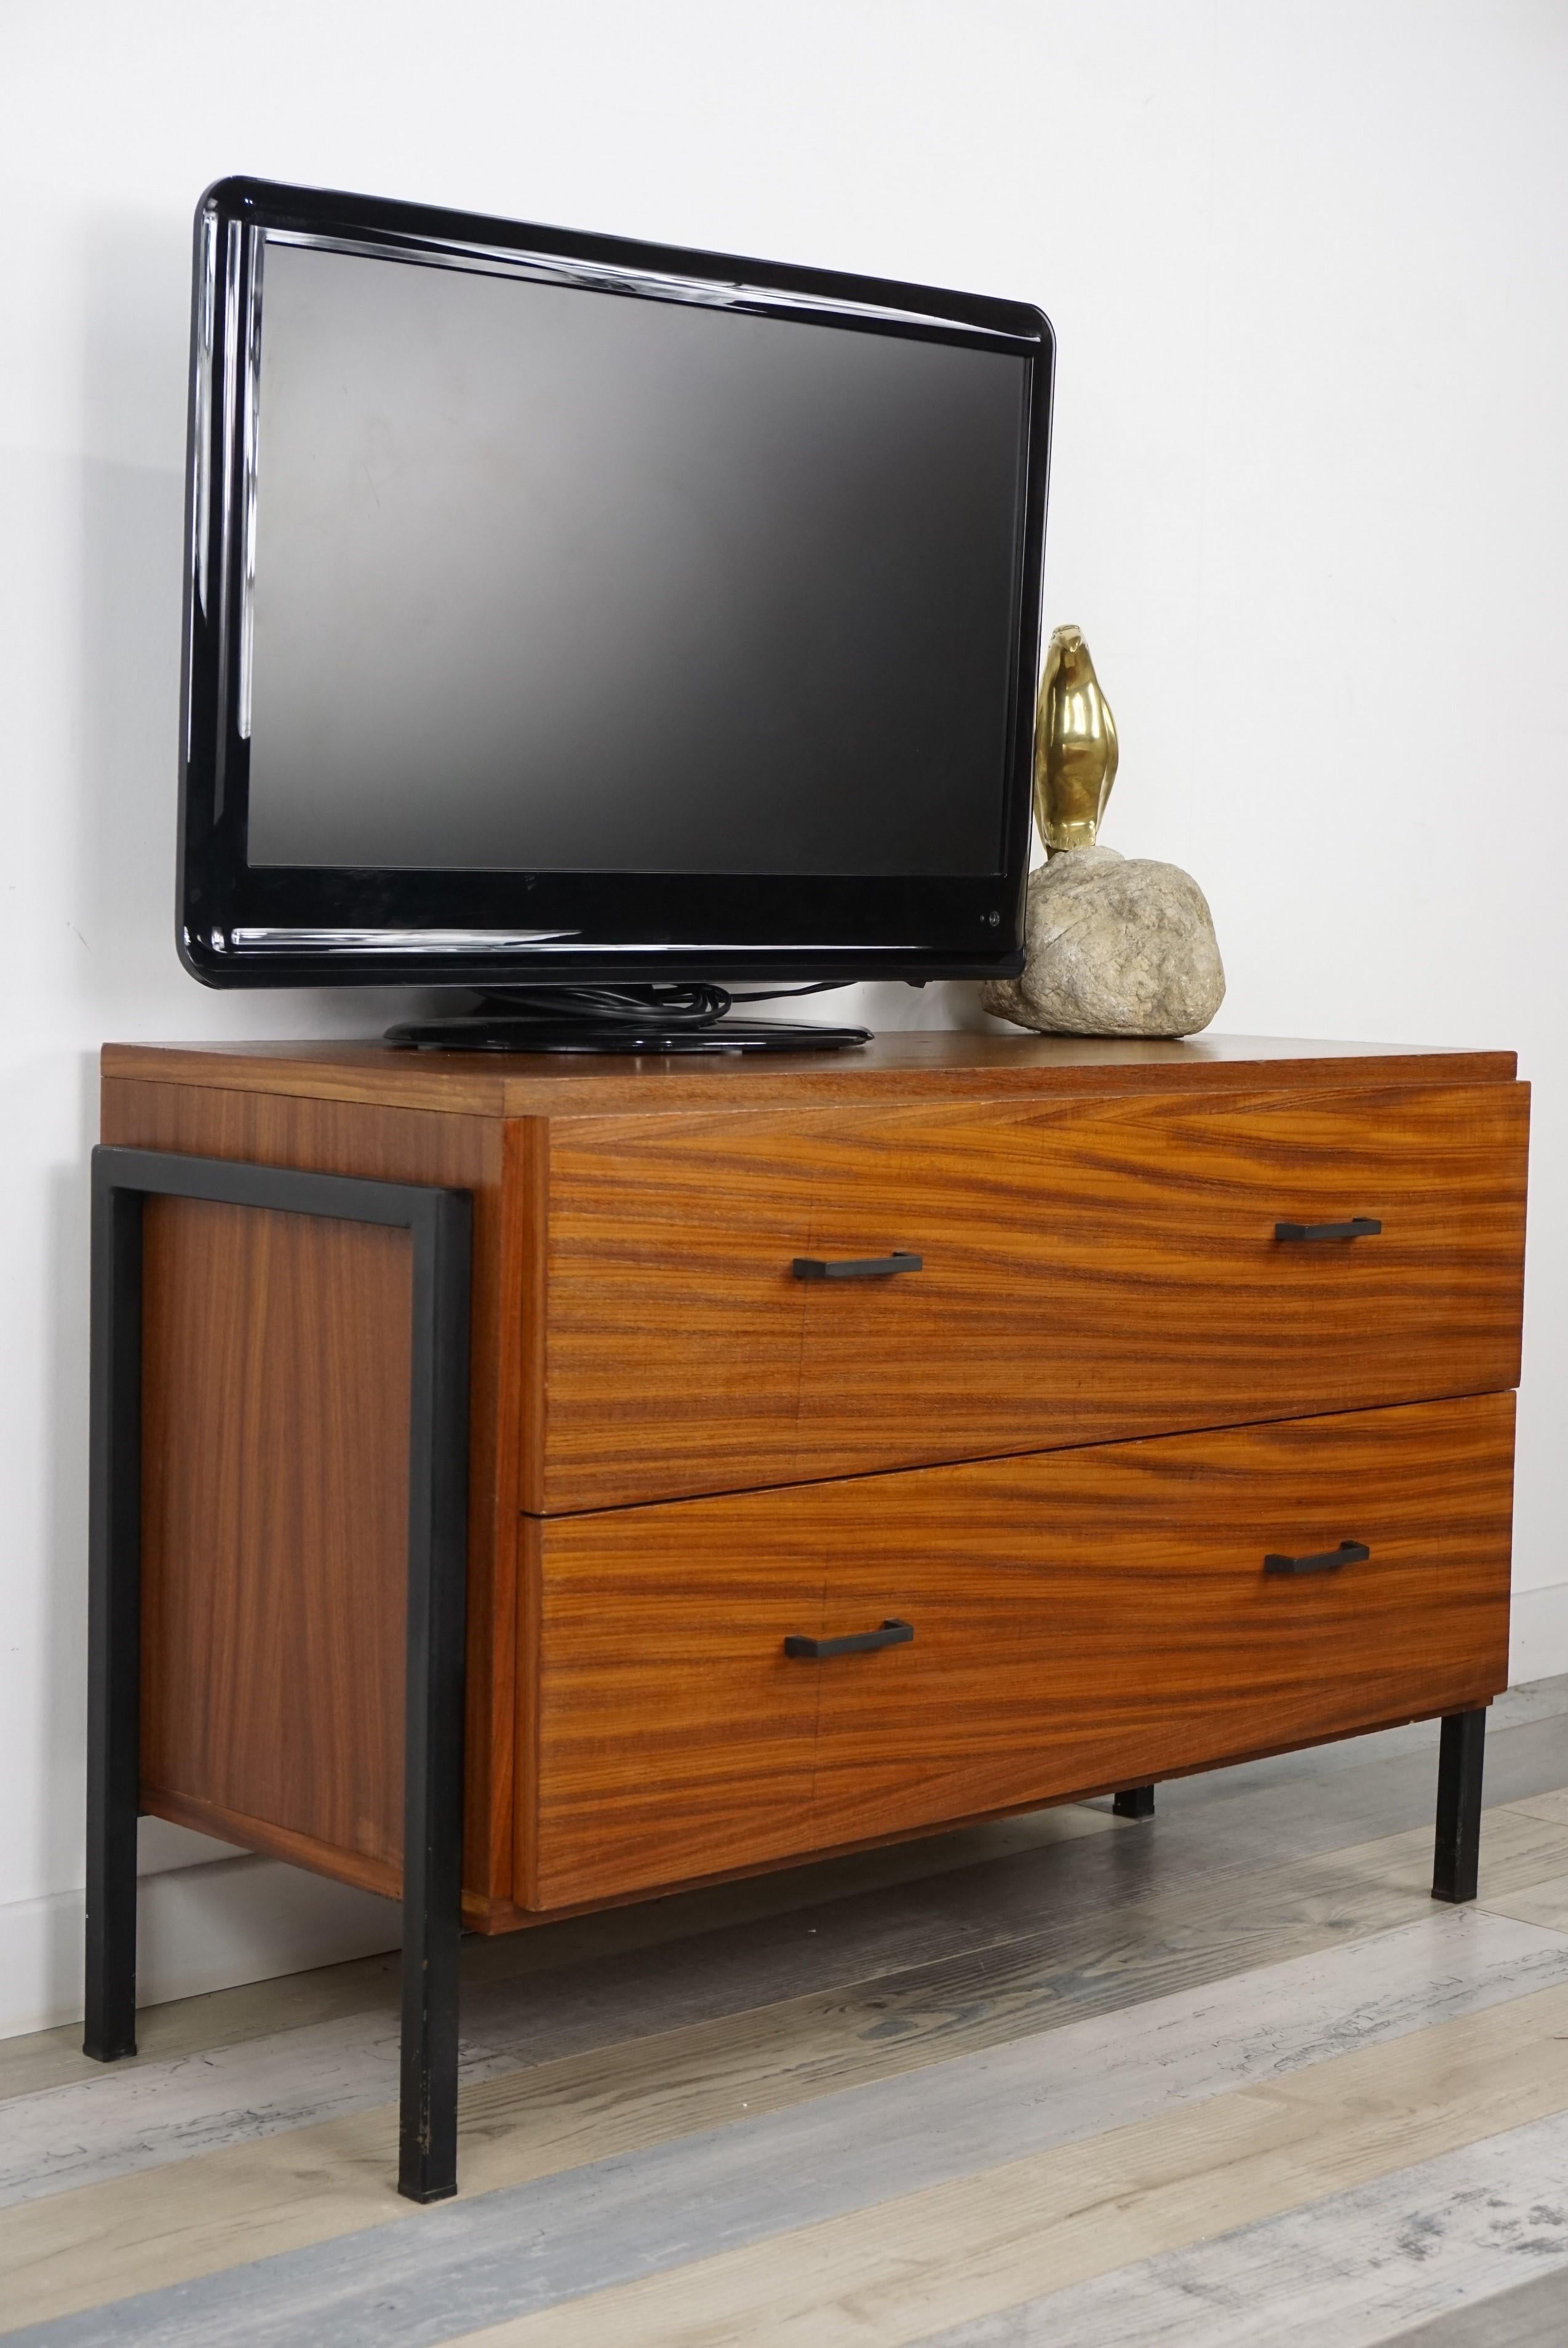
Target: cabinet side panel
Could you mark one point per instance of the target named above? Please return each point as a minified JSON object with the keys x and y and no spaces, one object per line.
{"x":402,"y":1145}
{"x":276,"y":1382}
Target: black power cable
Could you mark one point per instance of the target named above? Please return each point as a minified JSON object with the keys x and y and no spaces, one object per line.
{"x":657,"y":1018}
{"x":696,"y":1003}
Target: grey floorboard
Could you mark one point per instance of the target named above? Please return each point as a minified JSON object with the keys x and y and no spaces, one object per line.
{"x":416,"y":2282}
{"x":1396,"y":2258}
{"x":1534,"y":2314}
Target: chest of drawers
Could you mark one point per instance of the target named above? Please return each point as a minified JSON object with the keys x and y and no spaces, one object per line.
{"x":854,"y":1447}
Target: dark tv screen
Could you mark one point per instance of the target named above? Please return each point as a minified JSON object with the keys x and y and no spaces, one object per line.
{"x":552,"y":579}
{"x":566,"y":608}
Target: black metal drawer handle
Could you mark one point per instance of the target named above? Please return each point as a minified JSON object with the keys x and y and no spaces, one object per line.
{"x":868,"y":1267}
{"x":1360,"y":1227}
{"x":1326,"y":1560}
{"x":893,"y":1633}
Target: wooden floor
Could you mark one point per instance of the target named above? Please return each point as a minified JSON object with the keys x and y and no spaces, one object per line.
{"x":1227,"y":2078}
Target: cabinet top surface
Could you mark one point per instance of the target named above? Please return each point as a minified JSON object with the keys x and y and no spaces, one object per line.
{"x":906,"y":1064}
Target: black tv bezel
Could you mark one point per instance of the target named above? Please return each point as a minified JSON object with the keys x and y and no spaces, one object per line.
{"x":392,"y":927}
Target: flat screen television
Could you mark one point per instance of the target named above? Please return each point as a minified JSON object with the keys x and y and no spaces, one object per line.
{"x":564,"y":612}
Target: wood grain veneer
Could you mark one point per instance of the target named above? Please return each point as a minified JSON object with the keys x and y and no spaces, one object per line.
{"x":1082,"y":1619}
{"x":1092,"y":1269}
{"x":273,"y":1575}
{"x":911,"y":1065}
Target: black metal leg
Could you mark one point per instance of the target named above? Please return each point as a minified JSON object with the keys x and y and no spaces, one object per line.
{"x":438,"y":1223}
{"x":433,"y":1751}
{"x":1457,"y":1863}
{"x":1134,"y":1802}
{"x":114,"y":1622}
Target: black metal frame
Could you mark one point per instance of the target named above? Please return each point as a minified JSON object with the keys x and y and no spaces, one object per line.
{"x":1456,"y":1862}
{"x":438,"y":1223}
{"x":1133,"y":1802}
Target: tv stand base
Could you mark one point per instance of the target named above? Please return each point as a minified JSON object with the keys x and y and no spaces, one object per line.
{"x":645,"y":1020}
{"x":642,"y":1039}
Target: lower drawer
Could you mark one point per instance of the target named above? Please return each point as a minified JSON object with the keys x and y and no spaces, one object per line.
{"x":1081,"y":1619}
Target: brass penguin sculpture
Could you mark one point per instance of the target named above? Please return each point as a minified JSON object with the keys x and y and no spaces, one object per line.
{"x":1115,"y":945}
{"x":1074,"y":746}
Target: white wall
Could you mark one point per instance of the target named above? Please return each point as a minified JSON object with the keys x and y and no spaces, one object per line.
{"x":1309,"y":265}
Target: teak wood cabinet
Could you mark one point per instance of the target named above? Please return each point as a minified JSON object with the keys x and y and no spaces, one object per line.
{"x":854,"y":1447}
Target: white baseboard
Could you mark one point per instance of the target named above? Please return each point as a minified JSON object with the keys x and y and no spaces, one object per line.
{"x":199,"y":1928}
{"x":1538,"y":1638}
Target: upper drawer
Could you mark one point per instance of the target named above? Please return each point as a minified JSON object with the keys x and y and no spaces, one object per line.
{"x":1087,"y":1273}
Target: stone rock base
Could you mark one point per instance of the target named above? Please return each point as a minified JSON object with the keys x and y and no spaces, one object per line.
{"x":1117,"y":946}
